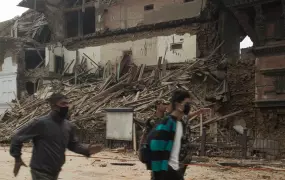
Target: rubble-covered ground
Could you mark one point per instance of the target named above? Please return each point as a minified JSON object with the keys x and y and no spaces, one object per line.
{"x":101,"y":168}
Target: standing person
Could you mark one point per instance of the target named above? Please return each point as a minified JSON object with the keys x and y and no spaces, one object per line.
{"x":51,"y":135}
{"x":165,"y":140}
{"x":160,"y":109}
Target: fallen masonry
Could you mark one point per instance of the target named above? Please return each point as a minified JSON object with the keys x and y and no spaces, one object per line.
{"x":138,"y":87}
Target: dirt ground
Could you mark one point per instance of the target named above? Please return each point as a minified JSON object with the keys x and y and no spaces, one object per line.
{"x":100,"y":168}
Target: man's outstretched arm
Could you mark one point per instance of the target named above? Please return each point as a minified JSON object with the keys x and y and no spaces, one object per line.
{"x":75,"y":146}
{"x":198,"y":112}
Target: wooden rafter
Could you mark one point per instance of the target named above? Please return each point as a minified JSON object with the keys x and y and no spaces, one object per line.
{"x":243,"y":20}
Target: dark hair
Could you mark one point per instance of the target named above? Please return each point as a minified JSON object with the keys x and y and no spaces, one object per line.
{"x":55,"y":97}
{"x":178,"y":96}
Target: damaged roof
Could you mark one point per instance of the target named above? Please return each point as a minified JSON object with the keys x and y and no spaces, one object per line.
{"x":23,"y":40}
{"x":5,"y":27}
{"x":31,"y":25}
{"x":33,"y":4}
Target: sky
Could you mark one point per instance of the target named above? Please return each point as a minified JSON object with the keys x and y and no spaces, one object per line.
{"x":246,"y":43}
{"x":9,"y":9}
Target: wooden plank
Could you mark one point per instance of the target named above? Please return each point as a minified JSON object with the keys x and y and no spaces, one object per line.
{"x":163,"y":73}
{"x":201,"y":124}
{"x":68,"y":66}
{"x":141,"y":72}
{"x":91,"y":60}
{"x":78,"y":8}
{"x":217,"y":119}
{"x":83,"y":5}
{"x":135,"y":138}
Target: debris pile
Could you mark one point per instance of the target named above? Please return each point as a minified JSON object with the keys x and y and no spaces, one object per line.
{"x":139,"y":88}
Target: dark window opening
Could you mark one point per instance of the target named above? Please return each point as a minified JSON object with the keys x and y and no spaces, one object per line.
{"x":89,"y":21}
{"x":126,"y":62}
{"x":21,"y":34}
{"x":280,"y":84}
{"x":176,"y":46}
{"x":80,"y":23}
{"x":43,"y":35}
{"x":188,"y":1}
{"x":31,"y":87}
{"x":58,"y":64}
{"x":272,"y":13}
{"x":33,"y":59}
{"x":72,"y":24}
{"x":148,"y":7}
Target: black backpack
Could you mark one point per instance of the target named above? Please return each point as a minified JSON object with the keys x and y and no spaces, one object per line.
{"x":144,"y":149}
{"x":144,"y":154}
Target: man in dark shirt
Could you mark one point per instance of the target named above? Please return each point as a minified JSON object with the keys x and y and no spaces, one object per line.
{"x":51,"y":135}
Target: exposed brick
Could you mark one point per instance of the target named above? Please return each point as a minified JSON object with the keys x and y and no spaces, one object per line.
{"x":130,"y":13}
{"x":266,"y":83}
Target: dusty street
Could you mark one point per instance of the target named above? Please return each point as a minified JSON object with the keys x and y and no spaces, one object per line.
{"x":79,"y":168}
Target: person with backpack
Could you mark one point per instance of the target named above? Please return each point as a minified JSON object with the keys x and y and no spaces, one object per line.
{"x":164,"y":141}
{"x":160,"y":110}
{"x":162,"y":137}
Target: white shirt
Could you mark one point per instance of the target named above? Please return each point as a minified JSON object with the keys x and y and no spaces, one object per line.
{"x":174,"y":155}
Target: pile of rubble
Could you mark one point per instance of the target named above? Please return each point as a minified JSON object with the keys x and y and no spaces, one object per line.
{"x":137,"y":87}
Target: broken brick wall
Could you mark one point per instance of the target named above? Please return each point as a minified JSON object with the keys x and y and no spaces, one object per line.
{"x":130,"y":13}
{"x":13,"y":50}
{"x":8,"y":49}
{"x":207,"y":38}
{"x":56,"y":19}
{"x":21,"y":86}
{"x":241,"y":84}
{"x":268,"y":77}
{"x":124,"y":14}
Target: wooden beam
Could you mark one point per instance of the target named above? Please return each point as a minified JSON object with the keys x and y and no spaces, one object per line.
{"x":91,"y":60}
{"x":78,"y":8}
{"x":259,"y":22}
{"x":283,"y":14}
{"x":217,"y":119}
{"x":35,"y":4}
{"x":243,"y":20}
{"x":83,"y":6}
{"x":80,"y":23}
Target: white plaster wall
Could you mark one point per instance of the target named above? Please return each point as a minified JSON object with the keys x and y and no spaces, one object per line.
{"x":187,"y":53}
{"x":4,"y":107}
{"x":144,"y":51}
{"x":51,"y":51}
{"x":94,"y":53}
{"x":69,"y":56}
{"x":8,"y":83}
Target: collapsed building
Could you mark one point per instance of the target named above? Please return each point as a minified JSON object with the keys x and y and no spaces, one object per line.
{"x":22,"y":50}
{"x":135,"y":44}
